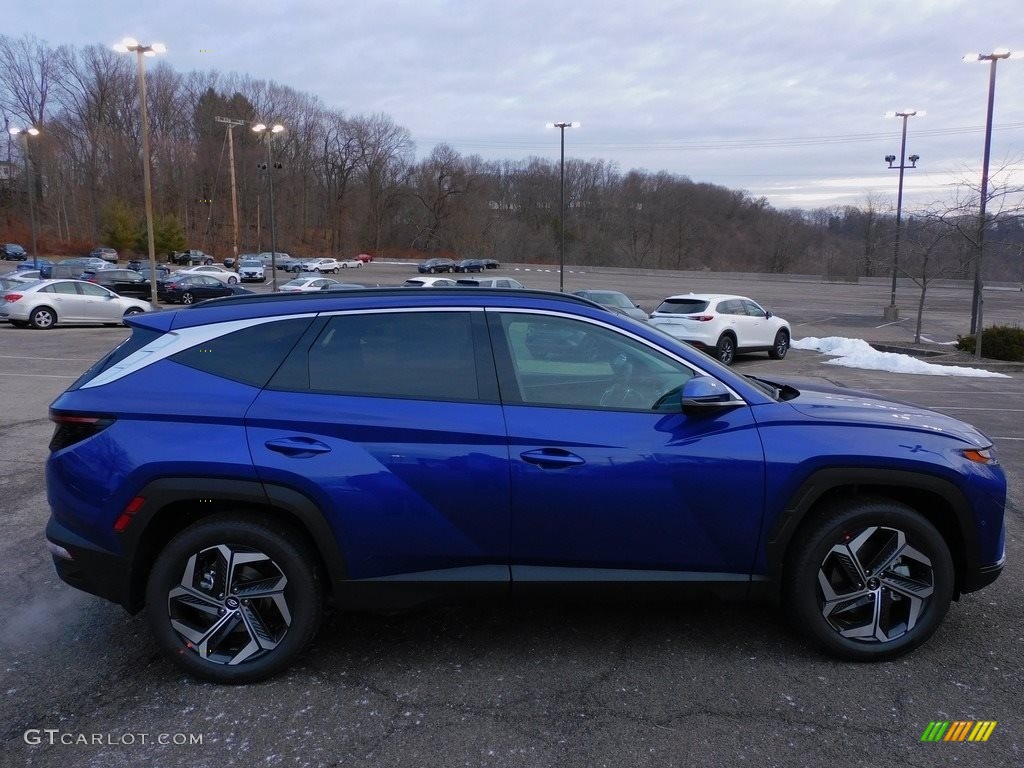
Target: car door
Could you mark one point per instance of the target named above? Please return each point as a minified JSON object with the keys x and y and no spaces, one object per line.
{"x":608,"y":476}
{"x":68,"y":303}
{"x":101,"y":305}
{"x":762,"y":330}
{"x":390,"y":423}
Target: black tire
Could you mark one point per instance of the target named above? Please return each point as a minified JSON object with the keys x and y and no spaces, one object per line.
{"x":187,"y":298}
{"x":129,"y":312}
{"x":283,"y":566}
{"x":780,"y":346}
{"x":232,"y":280}
{"x":725,"y":349}
{"x":860,"y":539}
{"x":42,"y":318}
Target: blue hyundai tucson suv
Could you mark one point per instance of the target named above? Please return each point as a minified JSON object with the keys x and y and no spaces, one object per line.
{"x":234,"y":467}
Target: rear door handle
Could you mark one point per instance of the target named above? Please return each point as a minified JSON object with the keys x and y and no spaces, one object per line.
{"x":552,"y":458}
{"x":298,"y":447}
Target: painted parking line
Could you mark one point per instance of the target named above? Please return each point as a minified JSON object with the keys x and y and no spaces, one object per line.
{"x":1000,"y":437}
{"x":40,"y":375}
{"x":56,"y":359}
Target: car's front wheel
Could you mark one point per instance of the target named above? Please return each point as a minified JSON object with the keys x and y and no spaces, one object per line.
{"x":42,"y":318}
{"x":232,"y":280}
{"x":187,"y":298}
{"x":869,"y":580}
{"x":725,"y":349}
{"x":780,"y":346}
{"x":234,"y":599}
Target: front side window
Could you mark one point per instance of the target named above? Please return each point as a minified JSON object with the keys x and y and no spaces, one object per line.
{"x":90,"y":289}
{"x":559,"y":361}
{"x":419,"y":355}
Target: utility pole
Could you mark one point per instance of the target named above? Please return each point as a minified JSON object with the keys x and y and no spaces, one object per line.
{"x":227,"y":121}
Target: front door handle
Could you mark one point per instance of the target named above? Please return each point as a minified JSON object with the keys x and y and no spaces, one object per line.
{"x":298,"y":447}
{"x":552,"y":458}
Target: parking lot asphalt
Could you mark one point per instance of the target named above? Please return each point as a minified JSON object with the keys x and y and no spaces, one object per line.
{"x":514,"y":683}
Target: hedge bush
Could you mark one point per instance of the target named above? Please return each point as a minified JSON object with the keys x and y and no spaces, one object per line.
{"x":998,"y":342}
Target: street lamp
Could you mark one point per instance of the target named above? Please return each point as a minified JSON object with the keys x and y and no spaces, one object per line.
{"x":25,"y":133}
{"x":891,"y":312}
{"x":271,"y":131}
{"x":977,"y":326}
{"x":561,"y":218}
{"x":130,"y":44}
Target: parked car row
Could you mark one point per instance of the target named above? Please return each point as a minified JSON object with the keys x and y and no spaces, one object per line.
{"x":433,"y":266}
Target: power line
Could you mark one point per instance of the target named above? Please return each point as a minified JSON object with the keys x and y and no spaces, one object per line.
{"x":709,"y":144}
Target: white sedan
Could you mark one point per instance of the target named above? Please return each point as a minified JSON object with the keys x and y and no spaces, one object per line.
{"x":216,"y":271}
{"x":320,"y":265}
{"x":307,"y":285}
{"x":350,"y":263}
{"x":47,"y":303}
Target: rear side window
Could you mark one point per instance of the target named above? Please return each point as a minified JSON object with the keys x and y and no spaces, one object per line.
{"x":140,"y":337}
{"x":682,"y":306}
{"x":250,"y":355}
{"x":419,"y":355}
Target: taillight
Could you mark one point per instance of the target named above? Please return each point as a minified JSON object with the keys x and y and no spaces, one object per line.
{"x":701,"y":318}
{"x":74,"y":428}
{"x":12,"y":297}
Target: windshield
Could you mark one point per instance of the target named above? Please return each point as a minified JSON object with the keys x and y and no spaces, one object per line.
{"x":252,"y":263}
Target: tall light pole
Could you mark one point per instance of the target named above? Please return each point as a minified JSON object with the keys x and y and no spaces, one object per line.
{"x":891,"y":312}
{"x":130,"y":44}
{"x":978,"y":301}
{"x":261,"y":128}
{"x":25,"y":133}
{"x":561,"y":218}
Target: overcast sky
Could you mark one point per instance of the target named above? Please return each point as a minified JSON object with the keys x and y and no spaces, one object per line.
{"x":781,"y":98}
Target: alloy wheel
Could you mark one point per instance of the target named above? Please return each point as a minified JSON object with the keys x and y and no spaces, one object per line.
{"x":873,"y":588}
{"x":230,"y":606}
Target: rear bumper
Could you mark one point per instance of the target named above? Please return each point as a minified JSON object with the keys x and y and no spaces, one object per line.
{"x":88,"y":567}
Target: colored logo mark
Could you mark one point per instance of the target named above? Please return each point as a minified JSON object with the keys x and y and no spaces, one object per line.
{"x":959,"y":730}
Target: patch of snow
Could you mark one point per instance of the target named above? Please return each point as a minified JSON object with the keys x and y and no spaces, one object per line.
{"x":857,"y":353}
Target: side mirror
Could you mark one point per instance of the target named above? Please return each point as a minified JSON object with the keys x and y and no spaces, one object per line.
{"x":767,"y":314}
{"x":702,"y":392}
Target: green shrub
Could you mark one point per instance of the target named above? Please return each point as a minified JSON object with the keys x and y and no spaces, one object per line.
{"x":998,"y":342}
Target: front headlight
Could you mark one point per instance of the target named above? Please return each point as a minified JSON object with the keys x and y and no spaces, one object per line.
{"x":980,"y":455}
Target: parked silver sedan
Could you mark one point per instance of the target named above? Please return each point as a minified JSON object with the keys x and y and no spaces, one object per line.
{"x":50,"y":302}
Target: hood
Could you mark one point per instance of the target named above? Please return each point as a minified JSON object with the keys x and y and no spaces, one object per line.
{"x":836,"y":404}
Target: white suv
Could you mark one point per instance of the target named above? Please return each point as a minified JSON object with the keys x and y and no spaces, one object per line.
{"x":320,"y":265}
{"x":252,"y":269}
{"x":723,"y":325}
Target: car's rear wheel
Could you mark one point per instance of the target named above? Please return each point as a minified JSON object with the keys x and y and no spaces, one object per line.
{"x":869,"y":580}
{"x":780,"y":346}
{"x":234,"y":599}
{"x":232,"y":280}
{"x":725,"y":349}
{"x":42,"y":318}
{"x":187,"y":298}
